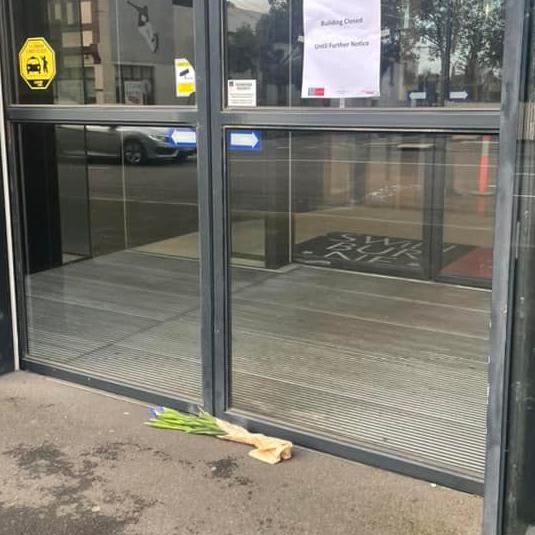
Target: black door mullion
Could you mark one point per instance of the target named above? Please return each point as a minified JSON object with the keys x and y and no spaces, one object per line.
{"x":103,"y":115}
{"x":204,"y":173}
{"x":435,"y":179}
{"x":221,"y":353}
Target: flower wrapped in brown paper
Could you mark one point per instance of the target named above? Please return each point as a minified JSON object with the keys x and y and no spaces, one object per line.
{"x":267,"y":449}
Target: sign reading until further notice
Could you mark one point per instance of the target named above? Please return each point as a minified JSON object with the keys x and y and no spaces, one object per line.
{"x":342,"y":46}
{"x":37,"y":63}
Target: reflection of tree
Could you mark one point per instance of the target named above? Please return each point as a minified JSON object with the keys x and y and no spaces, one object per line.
{"x":396,"y":42}
{"x":465,"y":36}
{"x":243,"y":51}
{"x":468,"y":33}
{"x":262,"y":52}
{"x":273,"y":34}
{"x":480,"y":41}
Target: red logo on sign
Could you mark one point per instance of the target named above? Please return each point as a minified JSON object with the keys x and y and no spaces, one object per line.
{"x":316,"y":91}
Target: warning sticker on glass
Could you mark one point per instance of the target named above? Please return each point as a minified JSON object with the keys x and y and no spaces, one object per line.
{"x":37,"y":63}
{"x":184,"y":77}
{"x":242,"y":93}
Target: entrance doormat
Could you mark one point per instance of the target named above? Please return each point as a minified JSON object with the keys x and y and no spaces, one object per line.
{"x":345,"y":250}
{"x":477,"y":263}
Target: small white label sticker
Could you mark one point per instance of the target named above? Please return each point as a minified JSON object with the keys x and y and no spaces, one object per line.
{"x":242,"y":93}
{"x":184,"y":77}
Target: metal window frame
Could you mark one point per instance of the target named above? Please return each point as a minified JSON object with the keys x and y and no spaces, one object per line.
{"x":421,"y":119}
{"x":108,"y":115}
{"x":9,"y":354}
{"x":210,"y":118}
{"x":506,"y":229}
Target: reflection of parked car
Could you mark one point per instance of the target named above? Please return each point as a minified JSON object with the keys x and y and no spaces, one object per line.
{"x":33,"y":65}
{"x":135,"y":144}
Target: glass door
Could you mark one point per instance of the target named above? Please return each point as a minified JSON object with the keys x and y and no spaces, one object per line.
{"x":464,"y":201}
{"x":112,"y":175}
{"x":410,"y":204}
{"x":356,"y":263}
{"x":358,"y":201}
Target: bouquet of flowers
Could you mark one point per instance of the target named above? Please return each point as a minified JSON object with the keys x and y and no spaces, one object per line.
{"x":267,"y":449}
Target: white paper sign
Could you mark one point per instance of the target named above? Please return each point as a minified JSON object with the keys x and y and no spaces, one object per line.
{"x":342,"y":48}
{"x":134,"y":90}
{"x":242,"y":93}
{"x":184,"y":77}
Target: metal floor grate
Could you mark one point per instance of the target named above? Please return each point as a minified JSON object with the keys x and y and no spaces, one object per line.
{"x":393,"y":365}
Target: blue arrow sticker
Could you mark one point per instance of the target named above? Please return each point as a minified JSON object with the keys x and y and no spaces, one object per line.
{"x":182,"y":137}
{"x":245,"y":140}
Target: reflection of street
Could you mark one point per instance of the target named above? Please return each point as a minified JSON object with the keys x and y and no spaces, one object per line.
{"x":167,"y":183}
{"x":331,"y":183}
{"x":135,"y":205}
{"x":368,"y":184}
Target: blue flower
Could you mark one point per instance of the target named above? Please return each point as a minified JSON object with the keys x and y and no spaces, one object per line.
{"x":154,"y":412}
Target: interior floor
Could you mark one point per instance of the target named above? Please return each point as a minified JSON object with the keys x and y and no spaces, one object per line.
{"x":392,"y":365}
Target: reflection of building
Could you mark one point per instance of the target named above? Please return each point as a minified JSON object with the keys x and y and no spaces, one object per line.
{"x":241,"y":27}
{"x":238,"y":18}
{"x":124,"y":58}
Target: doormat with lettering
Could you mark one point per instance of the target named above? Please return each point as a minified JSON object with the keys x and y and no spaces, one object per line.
{"x":345,"y":250}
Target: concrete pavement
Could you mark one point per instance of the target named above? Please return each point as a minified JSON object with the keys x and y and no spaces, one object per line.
{"x":79,"y":462}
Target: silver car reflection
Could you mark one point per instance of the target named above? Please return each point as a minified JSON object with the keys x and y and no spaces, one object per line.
{"x":136,"y":145}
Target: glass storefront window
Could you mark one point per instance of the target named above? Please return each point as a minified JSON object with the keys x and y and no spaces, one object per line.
{"x":328,"y":198}
{"x":434,"y":52}
{"x":111,"y":254}
{"x":341,"y":322}
{"x":469,"y":203}
{"x":109,"y":52}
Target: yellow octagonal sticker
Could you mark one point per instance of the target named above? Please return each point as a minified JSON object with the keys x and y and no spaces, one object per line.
{"x":37,"y":63}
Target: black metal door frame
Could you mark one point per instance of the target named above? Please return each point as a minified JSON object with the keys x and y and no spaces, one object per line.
{"x":519,"y":15}
{"x":8,"y":346}
{"x":212,"y":118}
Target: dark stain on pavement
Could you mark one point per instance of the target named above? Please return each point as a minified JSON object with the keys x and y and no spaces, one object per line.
{"x":223,"y":468}
{"x":43,"y":460}
{"x":111,"y":451}
{"x":22,"y":520}
{"x":116,"y":451}
{"x":243,"y":481}
{"x":82,"y":480}
{"x":70,"y":510}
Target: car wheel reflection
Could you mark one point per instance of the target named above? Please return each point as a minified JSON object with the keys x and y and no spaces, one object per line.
{"x":134,"y":153}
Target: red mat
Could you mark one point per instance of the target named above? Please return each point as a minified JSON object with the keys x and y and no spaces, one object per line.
{"x":476,"y":263}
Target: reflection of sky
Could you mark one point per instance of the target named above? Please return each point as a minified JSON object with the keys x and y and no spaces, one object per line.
{"x":261,"y":6}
